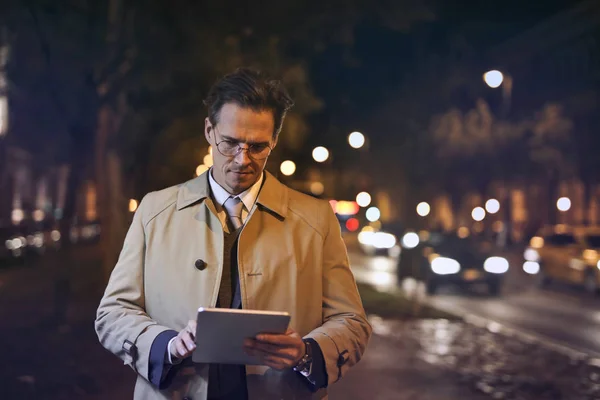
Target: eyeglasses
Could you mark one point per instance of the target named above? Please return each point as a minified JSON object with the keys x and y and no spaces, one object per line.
{"x":231,"y":148}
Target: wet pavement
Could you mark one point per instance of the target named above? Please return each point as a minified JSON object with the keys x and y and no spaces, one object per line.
{"x":485,"y":362}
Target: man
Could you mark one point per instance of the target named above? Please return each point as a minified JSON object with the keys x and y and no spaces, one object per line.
{"x":235,"y":237}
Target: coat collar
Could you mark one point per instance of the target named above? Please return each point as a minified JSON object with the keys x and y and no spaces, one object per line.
{"x":273,"y":194}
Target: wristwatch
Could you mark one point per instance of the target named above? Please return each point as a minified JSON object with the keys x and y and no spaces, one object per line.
{"x":305,"y":362}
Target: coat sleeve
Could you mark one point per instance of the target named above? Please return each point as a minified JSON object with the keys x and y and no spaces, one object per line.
{"x":345,"y":331}
{"x":122,"y":324}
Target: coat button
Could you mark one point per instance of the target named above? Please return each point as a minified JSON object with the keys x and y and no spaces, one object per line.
{"x":200,"y":265}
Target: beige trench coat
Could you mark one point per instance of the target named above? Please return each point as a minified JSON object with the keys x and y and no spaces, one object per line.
{"x":291,"y":258}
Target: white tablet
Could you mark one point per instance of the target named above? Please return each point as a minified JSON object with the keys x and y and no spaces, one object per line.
{"x":221,"y":332}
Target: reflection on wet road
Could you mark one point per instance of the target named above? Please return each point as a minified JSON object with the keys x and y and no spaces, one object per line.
{"x":562,"y":316}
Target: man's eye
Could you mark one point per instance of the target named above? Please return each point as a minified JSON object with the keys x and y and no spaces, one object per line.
{"x":230,"y":143}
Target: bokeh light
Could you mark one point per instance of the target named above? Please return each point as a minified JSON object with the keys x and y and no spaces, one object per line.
{"x":320,"y":154}
{"x":423,"y":209}
{"x":363,"y":199}
{"x":373,"y":214}
{"x":288,"y":168}
{"x":563,"y":204}
{"x":492,"y":206}
{"x":356,"y":140}
{"x":478,"y":214}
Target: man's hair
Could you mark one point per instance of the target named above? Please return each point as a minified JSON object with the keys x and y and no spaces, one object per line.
{"x":252,"y":89}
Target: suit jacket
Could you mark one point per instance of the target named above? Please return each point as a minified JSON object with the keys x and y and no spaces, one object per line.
{"x":291,"y":257}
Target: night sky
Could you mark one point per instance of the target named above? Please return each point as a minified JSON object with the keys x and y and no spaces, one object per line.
{"x":352,"y":92}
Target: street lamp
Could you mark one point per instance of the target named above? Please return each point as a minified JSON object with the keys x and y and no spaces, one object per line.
{"x":288,"y":168}
{"x":493,"y":78}
{"x":356,"y":140}
{"x":320,"y":154}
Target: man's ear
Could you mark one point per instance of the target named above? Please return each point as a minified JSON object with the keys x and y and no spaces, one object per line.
{"x":208,"y":129}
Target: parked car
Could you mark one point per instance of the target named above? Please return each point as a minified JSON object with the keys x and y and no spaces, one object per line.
{"x":13,"y":245}
{"x":565,"y":254}
{"x":445,"y":258}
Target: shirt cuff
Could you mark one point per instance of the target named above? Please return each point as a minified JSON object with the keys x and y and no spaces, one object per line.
{"x":158,"y":367}
{"x":168,"y":358}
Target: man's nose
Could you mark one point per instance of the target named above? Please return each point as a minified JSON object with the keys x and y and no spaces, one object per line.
{"x":242,"y":156}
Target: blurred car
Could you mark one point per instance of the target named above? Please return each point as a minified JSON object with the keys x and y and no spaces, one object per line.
{"x":445,"y":258}
{"x":378,"y":242}
{"x":13,"y":245}
{"x":565,"y":254}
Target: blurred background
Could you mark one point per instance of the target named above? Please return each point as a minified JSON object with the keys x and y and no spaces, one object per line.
{"x":457,"y":143}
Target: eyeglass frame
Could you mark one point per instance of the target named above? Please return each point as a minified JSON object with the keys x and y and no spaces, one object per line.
{"x":240,"y":148}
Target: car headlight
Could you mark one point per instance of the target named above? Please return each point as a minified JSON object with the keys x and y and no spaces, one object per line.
{"x":531,"y":255}
{"x":531,"y":267}
{"x":496,"y":265}
{"x":445,"y":266}
{"x":383,"y":240}
{"x":366,"y":238}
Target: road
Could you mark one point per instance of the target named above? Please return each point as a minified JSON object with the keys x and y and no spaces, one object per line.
{"x":560,"y":316}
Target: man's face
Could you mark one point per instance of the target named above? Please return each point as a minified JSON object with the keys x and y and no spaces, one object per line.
{"x":243,"y":126}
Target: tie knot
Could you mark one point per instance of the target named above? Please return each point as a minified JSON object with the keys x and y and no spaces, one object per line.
{"x":234,"y":206}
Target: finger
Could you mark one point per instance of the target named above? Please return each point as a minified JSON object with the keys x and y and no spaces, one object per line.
{"x":281,"y":340}
{"x":188,"y":340}
{"x":286,"y":352}
{"x":182,"y":351}
{"x":191,"y":327}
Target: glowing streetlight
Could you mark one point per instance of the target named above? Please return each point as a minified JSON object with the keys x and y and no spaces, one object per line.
{"x":200,"y":169}
{"x":423,"y":209}
{"x":208,"y":160}
{"x":317,"y":188}
{"x":493,"y":78}
{"x":563,"y":204}
{"x":478,"y":214}
{"x":133,"y":205}
{"x":492,"y":206}
{"x":373,"y":214}
{"x":320,"y":154}
{"x":363,"y":199}
{"x":356,"y":140}
{"x":410,"y":240}
{"x":287,"y":168}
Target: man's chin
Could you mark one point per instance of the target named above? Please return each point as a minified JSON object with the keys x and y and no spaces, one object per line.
{"x":241,"y":182}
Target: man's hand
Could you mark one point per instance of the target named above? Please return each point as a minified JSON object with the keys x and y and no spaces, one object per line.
{"x":278,"y":351}
{"x":185,"y":342}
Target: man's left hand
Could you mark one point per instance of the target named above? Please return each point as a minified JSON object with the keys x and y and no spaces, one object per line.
{"x":278,"y":351}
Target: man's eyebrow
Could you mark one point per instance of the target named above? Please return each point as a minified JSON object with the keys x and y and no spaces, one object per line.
{"x":229,"y":138}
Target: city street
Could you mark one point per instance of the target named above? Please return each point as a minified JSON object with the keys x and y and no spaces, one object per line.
{"x":560,"y":316}
{"x":51,"y":350}
{"x":53,"y":353}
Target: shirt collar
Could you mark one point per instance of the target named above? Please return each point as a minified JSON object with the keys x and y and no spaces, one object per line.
{"x":248,"y":196}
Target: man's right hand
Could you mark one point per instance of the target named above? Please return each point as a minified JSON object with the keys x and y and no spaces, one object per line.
{"x":185,"y":342}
